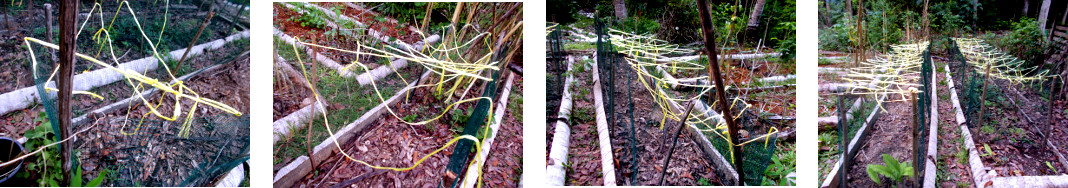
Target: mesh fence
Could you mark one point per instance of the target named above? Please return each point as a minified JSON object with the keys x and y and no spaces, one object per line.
{"x":148,"y":152}
{"x":756,"y":153}
{"x":555,"y":72}
{"x":922,"y":114}
{"x":151,"y":152}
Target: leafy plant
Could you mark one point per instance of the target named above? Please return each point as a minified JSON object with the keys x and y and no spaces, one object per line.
{"x":988,"y":151}
{"x":892,"y":169}
{"x":48,"y":163}
{"x":1026,"y":41}
{"x":782,"y":164}
{"x":1051,"y":168}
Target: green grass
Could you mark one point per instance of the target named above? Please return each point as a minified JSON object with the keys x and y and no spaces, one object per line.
{"x":579,"y":46}
{"x":783,"y":162}
{"x":337,"y":90}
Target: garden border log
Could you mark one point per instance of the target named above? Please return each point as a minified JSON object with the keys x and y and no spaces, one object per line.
{"x":979,"y":175}
{"x":22,"y":98}
{"x":298,"y":118}
{"x":344,"y":135}
{"x":487,"y":144}
{"x":555,"y":172}
{"x":607,"y":168}
{"x":233,"y":178}
{"x":292,"y":172}
{"x":930,"y":168}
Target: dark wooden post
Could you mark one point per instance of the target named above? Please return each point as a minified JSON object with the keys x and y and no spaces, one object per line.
{"x":916,"y":158}
{"x":68,"y":14}
{"x":194,"y":41}
{"x":713,"y":66}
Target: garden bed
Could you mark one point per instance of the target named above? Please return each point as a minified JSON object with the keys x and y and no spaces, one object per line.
{"x":690,"y":166}
{"x":584,"y":160}
{"x":155,"y":153}
{"x":392,"y":143}
{"x":1016,"y":143}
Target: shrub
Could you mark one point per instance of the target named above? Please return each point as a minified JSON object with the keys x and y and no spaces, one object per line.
{"x":1026,"y":41}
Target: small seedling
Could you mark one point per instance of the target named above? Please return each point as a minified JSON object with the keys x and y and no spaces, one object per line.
{"x":988,"y":151}
{"x":892,"y":169}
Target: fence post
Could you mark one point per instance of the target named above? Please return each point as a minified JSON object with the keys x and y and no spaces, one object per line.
{"x":68,"y":14}
{"x":915,"y":136}
{"x":714,"y":73}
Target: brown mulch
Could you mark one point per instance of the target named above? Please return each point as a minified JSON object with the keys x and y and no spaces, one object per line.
{"x":163,"y":154}
{"x":390,"y":142}
{"x":584,"y":153}
{"x":688,"y":165}
{"x":890,"y":134}
{"x":393,"y":30}
{"x":505,"y":162}
{"x":1021,"y":154}
{"x":285,"y":20}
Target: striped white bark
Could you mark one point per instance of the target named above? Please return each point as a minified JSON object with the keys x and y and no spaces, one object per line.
{"x":607,"y":169}
{"x":554,"y":170}
{"x":487,"y":143}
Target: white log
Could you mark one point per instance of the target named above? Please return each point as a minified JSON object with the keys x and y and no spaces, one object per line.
{"x":295,"y":120}
{"x":979,"y":175}
{"x":487,"y":143}
{"x":24,"y":97}
{"x":554,"y":170}
{"x":607,"y":169}
{"x":292,"y":172}
{"x":1032,"y":181}
{"x":233,"y":178}
{"x":930,"y":169}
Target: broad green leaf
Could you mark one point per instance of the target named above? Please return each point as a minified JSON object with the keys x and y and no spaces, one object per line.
{"x":874,"y":175}
{"x":99,"y":179}
{"x":77,"y":180}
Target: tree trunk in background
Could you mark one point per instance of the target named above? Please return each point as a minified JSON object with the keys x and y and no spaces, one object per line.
{"x":975,"y":14}
{"x":754,"y":18}
{"x":1043,"y":14}
{"x":1065,"y":16}
{"x":621,"y":8}
{"x":926,"y":20}
{"x":1027,"y":5}
{"x":849,"y":7}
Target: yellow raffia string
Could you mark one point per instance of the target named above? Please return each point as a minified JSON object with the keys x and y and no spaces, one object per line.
{"x":131,"y":76}
{"x":645,"y":52}
{"x":315,"y":92}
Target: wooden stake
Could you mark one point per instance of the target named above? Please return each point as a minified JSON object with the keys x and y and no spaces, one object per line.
{"x":714,"y":74}
{"x":675,"y":141}
{"x":194,"y":41}
{"x":68,"y":14}
{"x":982,"y":100}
